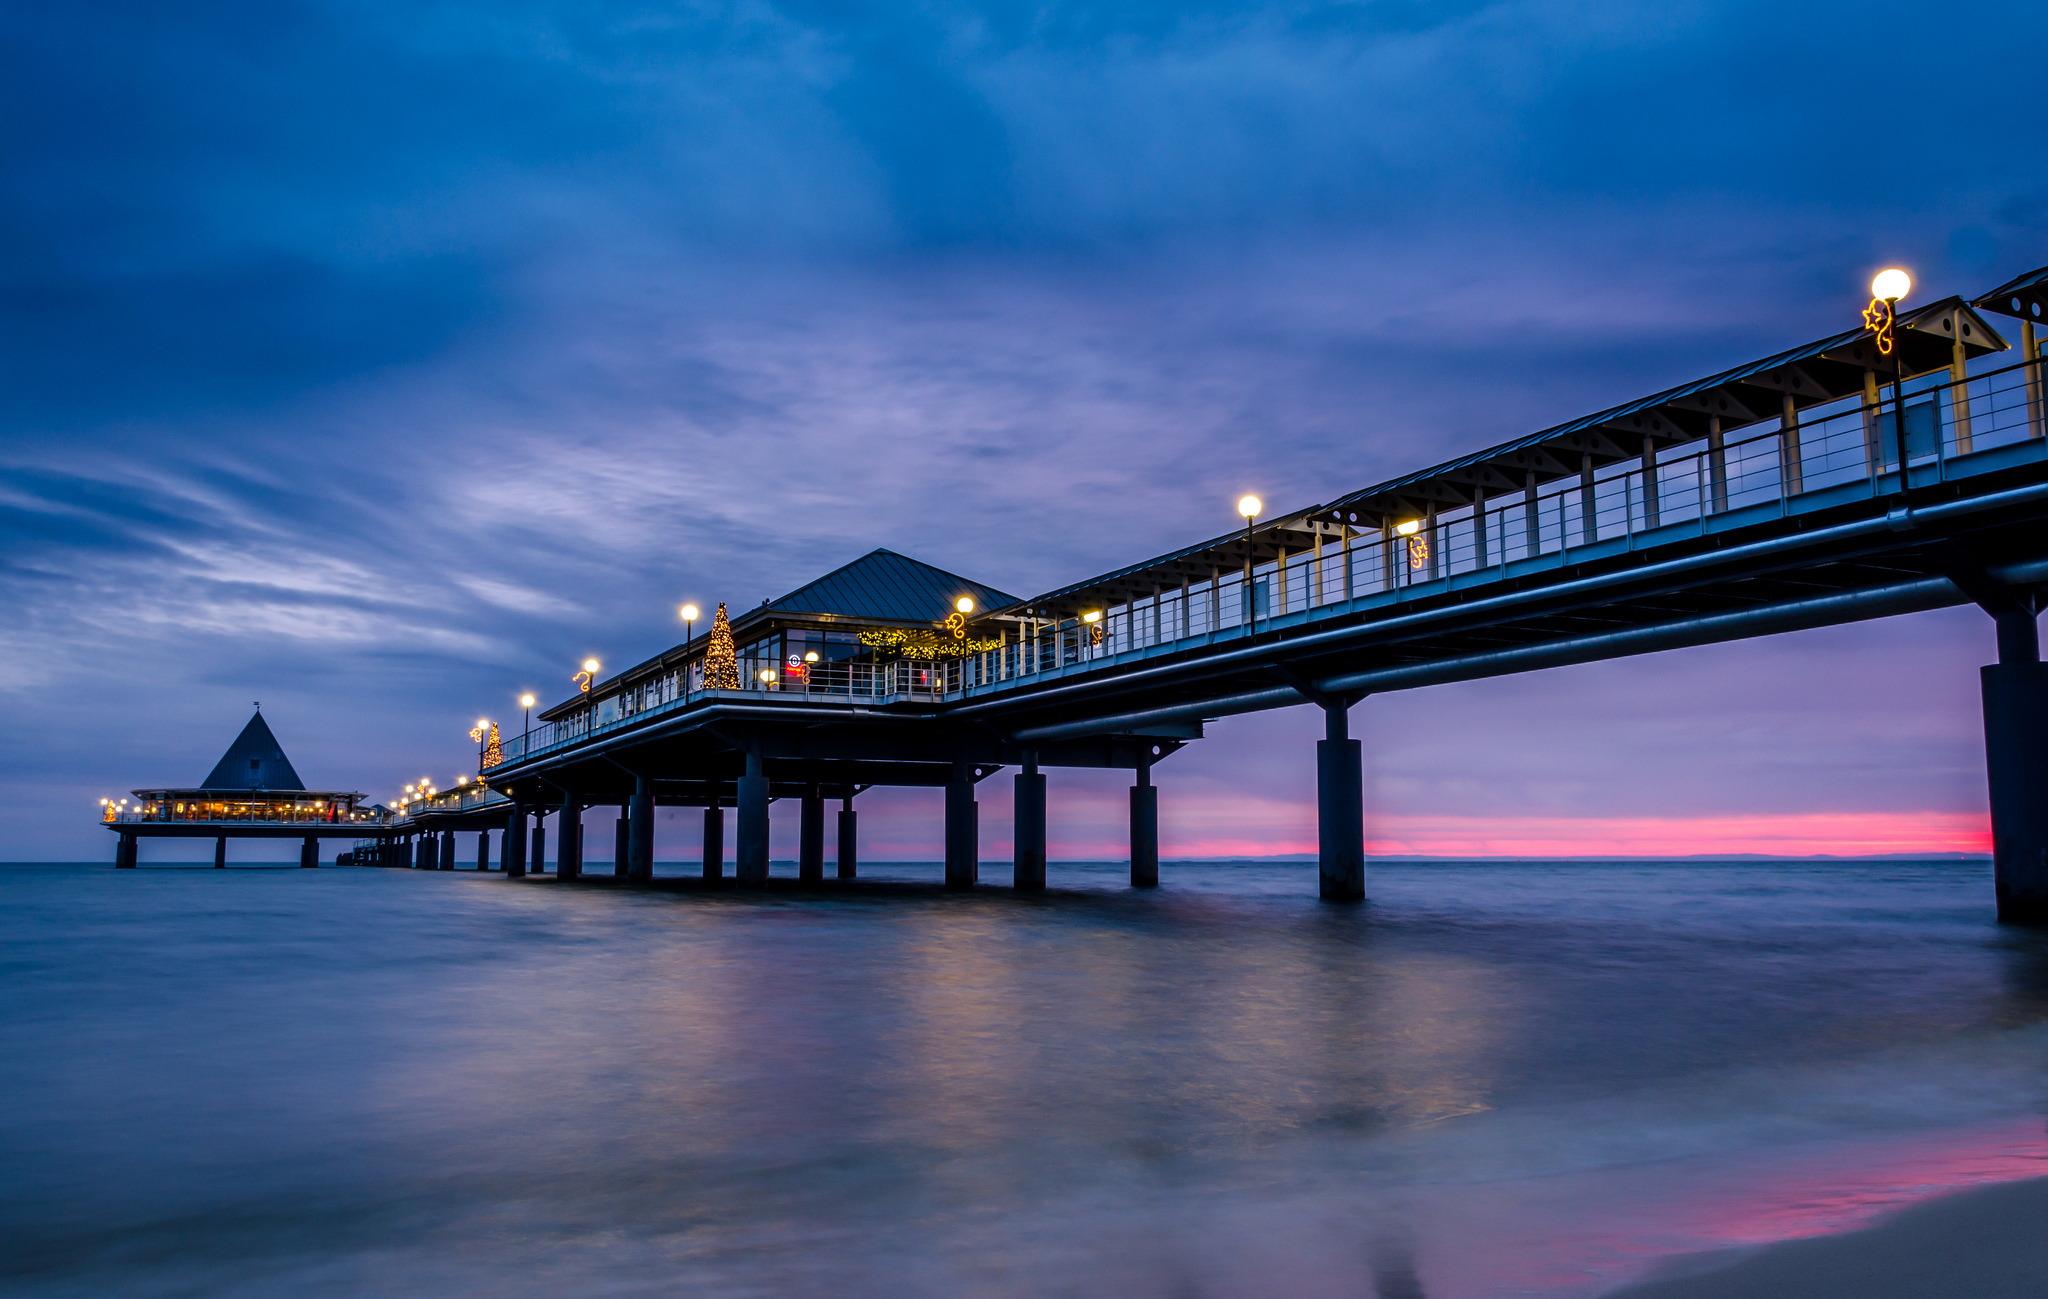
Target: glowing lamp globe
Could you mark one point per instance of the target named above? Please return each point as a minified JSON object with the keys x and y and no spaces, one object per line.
{"x":1410,"y":528}
{"x":965,"y":604}
{"x":689,"y":613}
{"x":1250,"y":506}
{"x":1891,"y":285}
{"x":526,"y":701}
{"x":590,"y":665}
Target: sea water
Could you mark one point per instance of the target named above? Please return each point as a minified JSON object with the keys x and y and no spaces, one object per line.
{"x":1499,"y":1078}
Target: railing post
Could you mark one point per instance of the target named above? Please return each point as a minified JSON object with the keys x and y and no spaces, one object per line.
{"x":1478,"y":528}
{"x":1589,"y":505}
{"x":1959,"y":390}
{"x":2030,"y":352}
{"x":1717,"y":464}
{"x":1652,"y":496}
{"x":1532,"y":518}
{"x":1791,"y":469}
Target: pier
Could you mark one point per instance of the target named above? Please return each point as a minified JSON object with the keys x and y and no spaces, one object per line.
{"x":1893,"y":468}
{"x":1827,"y":483}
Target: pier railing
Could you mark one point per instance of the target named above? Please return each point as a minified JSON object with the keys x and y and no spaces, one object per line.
{"x":1823,"y":455}
{"x":1841,"y":451}
{"x":900,"y":681}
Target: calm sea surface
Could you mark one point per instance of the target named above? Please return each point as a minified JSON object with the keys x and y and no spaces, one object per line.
{"x":1495,"y":1079}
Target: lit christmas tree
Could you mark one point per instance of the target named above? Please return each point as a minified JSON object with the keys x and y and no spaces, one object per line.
{"x":721,"y":661}
{"x":494,"y":753}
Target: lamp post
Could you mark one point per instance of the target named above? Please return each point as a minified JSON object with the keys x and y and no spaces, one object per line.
{"x":689,"y":612}
{"x":1249,"y":507}
{"x":526,"y":702}
{"x":1882,"y":315}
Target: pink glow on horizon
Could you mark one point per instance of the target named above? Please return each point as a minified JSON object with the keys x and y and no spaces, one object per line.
{"x":1086,"y":826}
{"x":1843,"y":834}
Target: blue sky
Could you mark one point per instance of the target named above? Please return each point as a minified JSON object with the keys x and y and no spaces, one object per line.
{"x":380,"y":362}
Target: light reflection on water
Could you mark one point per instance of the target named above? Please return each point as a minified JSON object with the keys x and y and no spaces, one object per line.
{"x":1496,"y":1078}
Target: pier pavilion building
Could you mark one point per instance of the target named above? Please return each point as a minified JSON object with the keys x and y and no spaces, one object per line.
{"x":883,"y":624}
{"x":253,"y":792}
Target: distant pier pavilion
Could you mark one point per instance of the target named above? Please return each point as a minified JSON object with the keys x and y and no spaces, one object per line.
{"x":253,"y":792}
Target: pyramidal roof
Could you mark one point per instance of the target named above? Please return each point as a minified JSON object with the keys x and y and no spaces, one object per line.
{"x":884,"y":584}
{"x":254,"y":761}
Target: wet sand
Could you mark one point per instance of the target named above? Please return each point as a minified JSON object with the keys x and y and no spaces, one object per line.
{"x":1986,"y":1243}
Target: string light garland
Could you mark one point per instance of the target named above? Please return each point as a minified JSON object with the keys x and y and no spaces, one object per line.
{"x":927,"y":644}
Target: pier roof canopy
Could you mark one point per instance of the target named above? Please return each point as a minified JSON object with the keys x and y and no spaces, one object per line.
{"x":883,"y":586}
{"x":254,"y":761}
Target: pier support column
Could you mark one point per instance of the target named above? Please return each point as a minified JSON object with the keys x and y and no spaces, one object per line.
{"x":220,"y":853}
{"x":622,"y":841}
{"x":1340,"y":807}
{"x":714,"y":843}
{"x":538,"y":855}
{"x":963,"y":829}
{"x":810,"y":851}
{"x":569,"y":851}
{"x":1145,"y":826}
{"x":515,"y":842}
{"x":483,"y":850}
{"x":640,"y":836}
{"x":2016,"y":766}
{"x":751,"y":869}
{"x":309,"y":853}
{"x":1028,"y":835}
{"x":124,"y":853}
{"x":446,"y":858}
{"x":849,"y":840}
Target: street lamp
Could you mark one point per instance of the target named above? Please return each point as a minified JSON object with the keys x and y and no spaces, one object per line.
{"x":526,"y":702}
{"x":689,"y":612}
{"x":586,"y":676}
{"x":965,"y":604}
{"x":1881,"y":317}
{"x":1249,"y":507}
